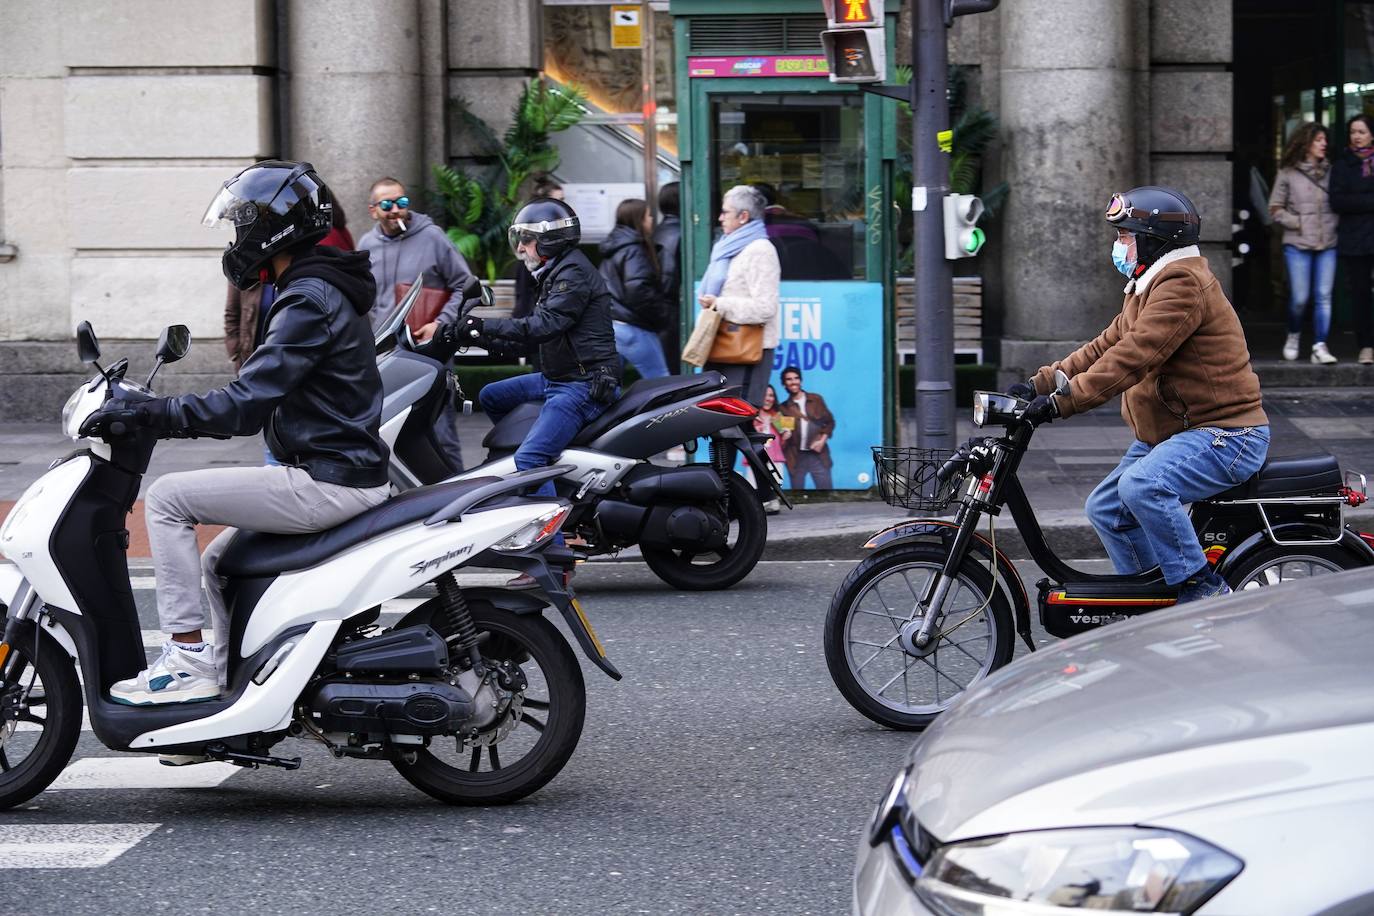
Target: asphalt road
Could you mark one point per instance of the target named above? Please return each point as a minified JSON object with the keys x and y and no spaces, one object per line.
{"x":724,"y":774}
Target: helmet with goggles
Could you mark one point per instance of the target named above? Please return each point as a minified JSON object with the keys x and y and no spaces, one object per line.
{"x":550,"y":223}
{"x":1161,"y":218}
{"x":273,"y":207}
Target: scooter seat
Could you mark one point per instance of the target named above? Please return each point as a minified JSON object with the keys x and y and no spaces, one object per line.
{"x":254,"y":554}
{"x":1298,"y":475}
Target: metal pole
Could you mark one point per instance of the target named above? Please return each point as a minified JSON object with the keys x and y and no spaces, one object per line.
{"x":646,"y":26}
{"x":935,"y":424}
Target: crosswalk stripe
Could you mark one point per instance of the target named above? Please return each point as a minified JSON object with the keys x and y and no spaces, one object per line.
{"x":140,"y":773}
{"x":68,"y":845}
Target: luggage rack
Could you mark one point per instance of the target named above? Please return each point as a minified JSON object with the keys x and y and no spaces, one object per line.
{"x":1354,"y":493}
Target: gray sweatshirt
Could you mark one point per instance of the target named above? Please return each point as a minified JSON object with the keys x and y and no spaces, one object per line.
{"x":423,"y":247}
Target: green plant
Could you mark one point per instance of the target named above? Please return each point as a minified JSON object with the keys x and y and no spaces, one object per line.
{"x":479,"y":208}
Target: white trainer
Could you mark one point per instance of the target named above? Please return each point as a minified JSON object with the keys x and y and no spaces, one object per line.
{"x":1321,"y":355}
{"x":178,"y":676}
{"x":1290,"y":348}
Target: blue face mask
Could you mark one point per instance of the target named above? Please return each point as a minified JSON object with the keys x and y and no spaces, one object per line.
{"x":1119,"y":249}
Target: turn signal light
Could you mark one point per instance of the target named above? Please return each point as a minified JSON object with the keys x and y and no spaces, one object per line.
{"x":735,"y":407}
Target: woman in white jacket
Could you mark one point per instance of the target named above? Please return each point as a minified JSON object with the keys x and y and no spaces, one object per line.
{"x":741,"y":283}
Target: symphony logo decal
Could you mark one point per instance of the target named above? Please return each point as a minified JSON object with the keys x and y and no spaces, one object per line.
{"x":425,"y":565}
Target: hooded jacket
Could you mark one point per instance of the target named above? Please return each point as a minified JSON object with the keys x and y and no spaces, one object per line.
{"x":312,"y":379}
{"x":422,"y":249}
{"x":631,"y":279}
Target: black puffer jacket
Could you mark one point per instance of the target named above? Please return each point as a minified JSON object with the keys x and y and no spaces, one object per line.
{"x":632,"y":279}
{"x":668,"y":239}
{"x":571,"y":322}
{"x":312,"y":381}
{"x":1352,"y":196}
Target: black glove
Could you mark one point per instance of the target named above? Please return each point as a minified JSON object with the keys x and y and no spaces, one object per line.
{"x":464,"y":333}
{"x":1042,"y":410}
{"x":118,"y":417}
{"x":1023,"y":390}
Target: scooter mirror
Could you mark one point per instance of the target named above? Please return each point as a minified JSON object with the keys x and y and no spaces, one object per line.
{"x":174,"y":343}
{"x":87,"y":347}
{"x":472,"y":287}
{"x":488,"y":297}
{"x":1061,"y":382}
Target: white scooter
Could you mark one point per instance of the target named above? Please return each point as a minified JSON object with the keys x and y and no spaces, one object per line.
{"x":473,"y":696}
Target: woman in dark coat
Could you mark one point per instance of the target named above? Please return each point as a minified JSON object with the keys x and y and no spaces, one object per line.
{"x":1352,"y":196}
{"x":629,"y":266}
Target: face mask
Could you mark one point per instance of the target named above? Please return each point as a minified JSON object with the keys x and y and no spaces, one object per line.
{"x":1119,"y":249}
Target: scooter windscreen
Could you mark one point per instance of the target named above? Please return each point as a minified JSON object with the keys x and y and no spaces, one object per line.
{"x":397,"y":318}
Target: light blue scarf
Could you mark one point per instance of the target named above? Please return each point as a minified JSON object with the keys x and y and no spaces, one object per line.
{"x":724,"y":250}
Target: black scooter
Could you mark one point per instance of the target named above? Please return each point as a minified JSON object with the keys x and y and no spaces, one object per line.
{"x":931,"y":612}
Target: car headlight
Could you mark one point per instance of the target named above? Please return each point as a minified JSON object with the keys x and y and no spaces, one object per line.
{"x":1104,"y":869}
{"x":542,"y":528}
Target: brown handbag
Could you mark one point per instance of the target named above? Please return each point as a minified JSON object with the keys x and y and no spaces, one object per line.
{"x":737,"y":344}
{"x":427,"y":305}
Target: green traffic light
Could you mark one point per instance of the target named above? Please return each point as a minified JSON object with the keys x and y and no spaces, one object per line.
{"x":974,"y":239}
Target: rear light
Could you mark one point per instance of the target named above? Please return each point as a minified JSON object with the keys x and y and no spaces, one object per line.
{"x":539,"y":529}
{"x":735,"y":407}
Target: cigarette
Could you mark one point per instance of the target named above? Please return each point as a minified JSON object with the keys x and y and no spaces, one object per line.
{"x":402,"y":224}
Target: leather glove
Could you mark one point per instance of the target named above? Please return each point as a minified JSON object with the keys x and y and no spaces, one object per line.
{"x":464,"y":333}
{"x":117,"y":418}
{"x":1023,"y":390}
{"x":1041,"y":410}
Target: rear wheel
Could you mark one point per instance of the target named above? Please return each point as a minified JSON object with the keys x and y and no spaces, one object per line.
{"x":703,"y":570}
{"x":1272,"y":565}
{"x":40,"y":718}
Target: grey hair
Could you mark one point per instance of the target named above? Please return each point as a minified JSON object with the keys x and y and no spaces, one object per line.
{"x":746,"y":197}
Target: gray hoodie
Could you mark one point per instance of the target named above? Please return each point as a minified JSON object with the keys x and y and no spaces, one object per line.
{"x":423,"y":247}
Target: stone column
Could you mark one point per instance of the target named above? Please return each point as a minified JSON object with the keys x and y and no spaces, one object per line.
{"x":489,"y":65}
{"x":1072,"y":134}
{"x":355,"y":96}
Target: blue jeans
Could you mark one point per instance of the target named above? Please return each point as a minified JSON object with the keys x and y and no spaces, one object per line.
{"x":1310,"y":272}
{"x":568,"y":406}
{"x":641,"y":349}
{"x":1138,"y":510}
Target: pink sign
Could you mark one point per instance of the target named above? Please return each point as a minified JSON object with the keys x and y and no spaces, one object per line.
{"x":760,"y":65}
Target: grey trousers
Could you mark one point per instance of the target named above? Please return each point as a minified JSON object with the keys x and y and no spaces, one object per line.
{"x":276,"y":500}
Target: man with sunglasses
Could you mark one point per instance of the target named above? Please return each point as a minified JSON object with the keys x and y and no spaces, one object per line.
{"x":1177,"y":356}
{"x":403,"y":245}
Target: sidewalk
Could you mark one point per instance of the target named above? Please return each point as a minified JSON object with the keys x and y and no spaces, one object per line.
{"x":1067,"y":460}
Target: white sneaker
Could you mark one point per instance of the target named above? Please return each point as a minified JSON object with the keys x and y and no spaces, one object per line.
{"x":178,"y":676}
{"x":1290,"y":349}
{"x":1366,"y":356}
{"x":181,"y":760}
{"x":1321,"y":355}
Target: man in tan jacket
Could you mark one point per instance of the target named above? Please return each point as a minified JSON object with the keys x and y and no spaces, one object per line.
{"x":1177,"y":356}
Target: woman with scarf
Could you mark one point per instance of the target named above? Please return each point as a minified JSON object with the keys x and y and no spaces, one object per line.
{"x":1301,"y":205}
{"x":741,"y":283}
{"x":1352,"y":196}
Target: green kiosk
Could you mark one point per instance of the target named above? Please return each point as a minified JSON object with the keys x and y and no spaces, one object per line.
{"x":755,"y":107}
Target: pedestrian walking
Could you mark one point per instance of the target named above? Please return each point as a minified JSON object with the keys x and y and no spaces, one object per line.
{"x":1352,"y":196}
{"x":668,"y":243}
{"x":630,"y":268}
{"x":741,"y":283}
{"x":1301,"y":204}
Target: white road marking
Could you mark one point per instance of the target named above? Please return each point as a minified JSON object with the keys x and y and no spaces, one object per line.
{"x":140,"y":772}
{"x":68,"y":845}
{"x":34,"y":726}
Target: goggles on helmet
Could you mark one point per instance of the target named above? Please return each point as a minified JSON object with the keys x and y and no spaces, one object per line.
{"x":1119,"y":208}
{"x":530,"y":232}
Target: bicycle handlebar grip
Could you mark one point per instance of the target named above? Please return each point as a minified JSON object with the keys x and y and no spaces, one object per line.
{"x":947,"y":469}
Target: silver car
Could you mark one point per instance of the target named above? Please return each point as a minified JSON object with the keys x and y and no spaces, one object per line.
{"x":1217,"y":758}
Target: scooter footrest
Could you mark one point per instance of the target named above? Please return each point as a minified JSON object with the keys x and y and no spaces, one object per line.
{"x":1076,"y":607}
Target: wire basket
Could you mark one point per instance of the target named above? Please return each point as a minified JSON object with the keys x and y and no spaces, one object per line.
{"x":906,"y":477}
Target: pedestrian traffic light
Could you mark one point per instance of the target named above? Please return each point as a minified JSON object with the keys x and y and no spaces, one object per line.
{"x":855,"y":43}
{"x":963,"y":238}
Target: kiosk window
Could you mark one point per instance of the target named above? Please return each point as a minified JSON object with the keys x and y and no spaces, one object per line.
{"x":805,"y":152}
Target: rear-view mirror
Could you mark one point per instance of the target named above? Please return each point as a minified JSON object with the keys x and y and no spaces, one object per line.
{"x":174,"y":343}
{"x":488,"y":297}
{"x":87,"y":347}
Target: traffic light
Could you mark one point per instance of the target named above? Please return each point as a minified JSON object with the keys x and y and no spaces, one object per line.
{"x":855,"y":45}
{"x":963,"y":238}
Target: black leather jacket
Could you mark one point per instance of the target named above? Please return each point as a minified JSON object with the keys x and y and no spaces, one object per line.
{"x":571,"y":322}
{"x":312,"y":381}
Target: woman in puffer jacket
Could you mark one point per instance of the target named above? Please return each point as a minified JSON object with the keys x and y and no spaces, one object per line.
{"x":629,"y":266}
{"x":1301,"y":204}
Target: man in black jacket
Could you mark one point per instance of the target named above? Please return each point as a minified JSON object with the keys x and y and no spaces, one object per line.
{"x":311,"y":381}
{"x":571,"y":324}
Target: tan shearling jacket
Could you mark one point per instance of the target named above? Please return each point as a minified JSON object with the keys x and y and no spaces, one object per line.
{"x":1176,"y":354}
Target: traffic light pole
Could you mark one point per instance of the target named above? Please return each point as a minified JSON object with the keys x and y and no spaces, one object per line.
{"x":934,"y":292}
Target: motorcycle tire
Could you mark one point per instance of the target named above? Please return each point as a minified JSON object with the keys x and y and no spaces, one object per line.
{"x":848,"y":620}
{"x":515,"y":638}
{"x":57,"y":696}
{"x":1272,"y":564}
{"x":679,"y":567}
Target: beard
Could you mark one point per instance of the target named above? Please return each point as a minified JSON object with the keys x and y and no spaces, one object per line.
{"x":532,"y":262}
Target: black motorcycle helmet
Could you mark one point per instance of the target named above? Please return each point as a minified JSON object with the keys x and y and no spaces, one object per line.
{"x":273,"y":206}
{"x":550,"y":223}
{"x":1161,"y":218}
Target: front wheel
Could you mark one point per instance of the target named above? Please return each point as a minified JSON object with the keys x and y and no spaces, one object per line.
{"x":534,"y":735}
{"x":40,"y":718}
{"x":704,"y":570}
{"x":1272,"y":564}
{"x":878,"y":600}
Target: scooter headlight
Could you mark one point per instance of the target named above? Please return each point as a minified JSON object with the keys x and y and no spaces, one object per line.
{"x":79,"y":407}
{"x":540,"y":529}
{"x":980,"y":408}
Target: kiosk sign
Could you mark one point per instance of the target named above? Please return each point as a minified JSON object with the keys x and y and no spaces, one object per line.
{"x":758,"y":65}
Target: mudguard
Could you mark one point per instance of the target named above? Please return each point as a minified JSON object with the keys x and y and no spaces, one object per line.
{"x":925,"y":529}
{"x":1350,"y":540}
{"x":751,"y":446}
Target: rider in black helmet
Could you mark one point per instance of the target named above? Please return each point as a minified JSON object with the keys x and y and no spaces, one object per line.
{"x":311,"y":381}
{"x":1177,"y":356}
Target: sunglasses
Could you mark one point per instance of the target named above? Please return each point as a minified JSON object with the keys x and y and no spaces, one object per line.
{"x":386,"y":203}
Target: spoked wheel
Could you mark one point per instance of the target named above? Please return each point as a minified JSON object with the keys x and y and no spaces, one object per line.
{"x":40,"y":718}
{"x":542,"y":702}
{"x":1273,"y":565}
{"x":902,"y":687}
{"x":712,"y":569}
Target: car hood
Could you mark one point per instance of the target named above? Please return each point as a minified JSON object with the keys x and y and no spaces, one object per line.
{"x":1177,"y":710}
